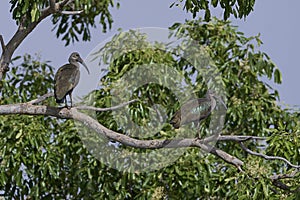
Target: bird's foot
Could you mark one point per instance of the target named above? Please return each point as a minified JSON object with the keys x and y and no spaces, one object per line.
{"x":68,"y":107}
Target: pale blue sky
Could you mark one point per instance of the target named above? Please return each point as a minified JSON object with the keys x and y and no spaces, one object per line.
{"x":277,"y":22}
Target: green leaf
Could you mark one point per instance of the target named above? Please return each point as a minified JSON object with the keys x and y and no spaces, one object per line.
{"x":214,"y":3}
{"x":277,"y":76}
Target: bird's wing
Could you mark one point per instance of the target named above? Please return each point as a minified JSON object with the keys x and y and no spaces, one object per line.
{"x":65,"y":80}
{"x":193,"y":105}
{"x":192,"y":111}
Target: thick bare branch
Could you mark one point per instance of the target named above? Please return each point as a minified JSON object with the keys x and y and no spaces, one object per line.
{"x":221,"y":154}
{"x":73,"y":113}
{"x":29,"y":109}
{"x":268,"y":157}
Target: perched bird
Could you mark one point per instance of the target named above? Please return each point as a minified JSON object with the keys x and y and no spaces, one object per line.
{"x":194,"y":110}
{"x":67,"y":78}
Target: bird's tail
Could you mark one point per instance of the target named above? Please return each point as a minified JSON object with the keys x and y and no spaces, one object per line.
{"x":175,"y":122}
{"x":59,"y":100}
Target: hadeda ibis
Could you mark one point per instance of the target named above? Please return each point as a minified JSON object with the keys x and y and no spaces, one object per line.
{"x":67,"y":78}
{"x":195,"y":110}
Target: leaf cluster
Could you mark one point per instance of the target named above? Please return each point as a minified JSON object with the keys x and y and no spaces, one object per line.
{"x":252,"y":104}
{"x":237,"y":8}
{"x":68,"y":27}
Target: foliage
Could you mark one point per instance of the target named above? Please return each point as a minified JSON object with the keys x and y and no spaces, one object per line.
{"x":252,"y":107}
{"x":69,"y":27}
{"x":20,"y":87}
{"x":43,"y":158}
{"x":237,"y":8}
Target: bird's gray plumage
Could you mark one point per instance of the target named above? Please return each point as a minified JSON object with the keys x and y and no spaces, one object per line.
{"x":67,"y":78}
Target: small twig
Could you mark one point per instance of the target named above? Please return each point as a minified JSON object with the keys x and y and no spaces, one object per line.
{"x":280,"y":185}
{"x":268,"y":157}
{"x":283,"y":176}
{"x":106,"y":109}
{"x":41,"y":98}
{"x":65,"y":3}
{"x":2,"y":43}
{"x":275,"y":180}
{"x":239,"y":138}
{"x":234,"y":138}
{"x":71,"y":12}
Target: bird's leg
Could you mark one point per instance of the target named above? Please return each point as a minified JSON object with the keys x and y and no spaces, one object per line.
{"x":198,"y":130}
{"x":70,"y":95}
{"x":66,"y":104}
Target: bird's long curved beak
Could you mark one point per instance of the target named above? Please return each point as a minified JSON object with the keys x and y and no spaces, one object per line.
{"x":221,"y":101}
{"x":87,"y":69}
{"x":83,"y":63}
{"x":218,"y":98}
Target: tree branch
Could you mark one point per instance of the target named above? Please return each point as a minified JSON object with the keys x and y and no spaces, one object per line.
{"x":222,"y":154}
{"x":280,"y":185}
{"x":41,"y":98}
{"x":239,"y":138}
{"x":234,"y":138}
{"x":65,"y":3}
{"x":2,"y":43}
{"x":76,"y":12}
{"x":283,"y":176}
{"x":276,"y":180}
{"x":22,"y":32}
{"x":268,"y":157}
{"x":52,"y":4}
{"x":64,"y":113}
{"x":73,"y":113}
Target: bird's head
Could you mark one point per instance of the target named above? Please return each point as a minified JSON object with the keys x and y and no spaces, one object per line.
{"x":75,"y":57}
{"x":213,"y":94}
